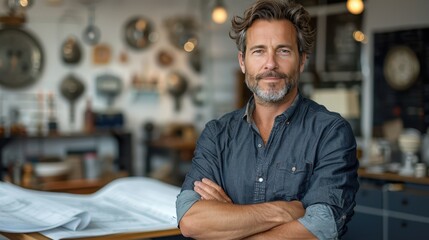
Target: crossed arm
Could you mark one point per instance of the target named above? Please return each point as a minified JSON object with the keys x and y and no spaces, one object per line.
{"x":216,"y":217}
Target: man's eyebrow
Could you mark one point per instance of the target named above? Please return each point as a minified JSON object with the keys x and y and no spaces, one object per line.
{"x":284,"y":46}
{"x":257,"y":46}
{"x":277,"y":47}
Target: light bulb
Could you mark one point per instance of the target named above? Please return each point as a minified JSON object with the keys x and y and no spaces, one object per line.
{"x":219,"y":14}
{"x":355,"y":6}
{"x":23,"y":3}
{"x":359,"y":36}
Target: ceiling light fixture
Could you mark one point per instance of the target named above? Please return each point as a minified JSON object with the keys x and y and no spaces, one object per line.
{"x":219,"y":13}
{"x":355,"y":6}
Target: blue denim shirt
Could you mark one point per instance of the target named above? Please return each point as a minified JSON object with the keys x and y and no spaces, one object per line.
{"x":310,"y":156}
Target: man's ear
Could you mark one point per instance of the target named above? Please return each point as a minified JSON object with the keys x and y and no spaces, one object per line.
{"x":241,"y":61}
{"x":303,"y":61}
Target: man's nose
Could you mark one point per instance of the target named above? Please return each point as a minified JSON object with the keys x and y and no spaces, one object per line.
{"x":271,"y":62}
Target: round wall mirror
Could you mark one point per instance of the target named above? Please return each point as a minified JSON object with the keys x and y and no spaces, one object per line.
{"x":21,"y":58}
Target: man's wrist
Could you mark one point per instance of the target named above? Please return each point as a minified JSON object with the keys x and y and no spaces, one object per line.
{"x":286,"y":211}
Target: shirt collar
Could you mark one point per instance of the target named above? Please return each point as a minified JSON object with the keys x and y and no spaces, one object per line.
{"x":249,"y":110}
{"x":250,"y":107}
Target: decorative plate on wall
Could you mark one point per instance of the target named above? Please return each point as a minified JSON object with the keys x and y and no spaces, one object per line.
{"x":21,"y":58}
{"x":139,"y":33}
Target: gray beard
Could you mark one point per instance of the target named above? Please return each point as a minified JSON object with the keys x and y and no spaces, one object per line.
{"x":271,"y":95}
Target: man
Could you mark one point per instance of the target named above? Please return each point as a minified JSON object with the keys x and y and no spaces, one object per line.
{"x":283,"y":167}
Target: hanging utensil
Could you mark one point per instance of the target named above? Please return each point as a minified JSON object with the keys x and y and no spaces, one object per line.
{"x":71,"y":52}
{"x":91,"y":33}
{"x":72,"y":88}
{"x":176,"y":86}
{"x":109,"y":86}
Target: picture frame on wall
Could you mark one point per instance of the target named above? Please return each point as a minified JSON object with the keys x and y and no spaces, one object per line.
{"x":342,"y":50}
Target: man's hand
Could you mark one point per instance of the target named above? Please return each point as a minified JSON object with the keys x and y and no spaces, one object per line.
{"x":209,"y":190}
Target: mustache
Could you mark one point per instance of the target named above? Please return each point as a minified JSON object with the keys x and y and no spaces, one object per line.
{"x":271,"y":74}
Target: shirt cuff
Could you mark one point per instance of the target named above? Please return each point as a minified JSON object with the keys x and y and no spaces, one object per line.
{"x":320,"y":221}
{"x":184,"y":202}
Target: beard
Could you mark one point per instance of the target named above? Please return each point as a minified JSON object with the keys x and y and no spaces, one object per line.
{"x":272,"y":94}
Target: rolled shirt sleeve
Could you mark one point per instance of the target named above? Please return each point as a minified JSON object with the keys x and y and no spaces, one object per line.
{"x":334,"y":181}
{"x":184,"y":202}
{"x":320,"y":221}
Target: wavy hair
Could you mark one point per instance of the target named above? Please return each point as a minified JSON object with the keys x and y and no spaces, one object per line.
{"x":275,"y":10}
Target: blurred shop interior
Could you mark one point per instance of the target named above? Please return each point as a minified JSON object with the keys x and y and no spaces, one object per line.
{"x":99,"y":89}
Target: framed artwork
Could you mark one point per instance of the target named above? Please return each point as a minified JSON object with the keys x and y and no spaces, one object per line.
{"x":342,"y":50}
{"x":101,"y":54}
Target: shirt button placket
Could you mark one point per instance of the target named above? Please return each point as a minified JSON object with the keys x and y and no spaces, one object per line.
{"x":260,"y":181}
{"x":260,"y":190}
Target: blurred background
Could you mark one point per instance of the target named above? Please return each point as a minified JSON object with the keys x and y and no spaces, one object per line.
{"x":167,"y":67}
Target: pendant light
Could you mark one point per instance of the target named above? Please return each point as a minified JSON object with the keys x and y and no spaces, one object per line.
{"x":219,"y":13}
{"x":355,"y":6}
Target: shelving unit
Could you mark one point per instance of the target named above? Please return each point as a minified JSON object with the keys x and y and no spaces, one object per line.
{"x":123,"y":162}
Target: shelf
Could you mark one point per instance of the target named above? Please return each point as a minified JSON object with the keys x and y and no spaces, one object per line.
{"x":80,"y":186}
{"x":387,"y":176}
{"x":98,"y":133}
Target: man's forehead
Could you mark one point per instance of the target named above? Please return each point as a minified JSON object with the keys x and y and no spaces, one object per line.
{"x":280,"y":32}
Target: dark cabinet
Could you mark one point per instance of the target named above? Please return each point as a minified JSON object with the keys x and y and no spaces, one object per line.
{"x":408,"y":214}
{"x":383,"y":214}
{"x":409,"y":201}
{"x":365,"y":226}
{"x":400,"y":229}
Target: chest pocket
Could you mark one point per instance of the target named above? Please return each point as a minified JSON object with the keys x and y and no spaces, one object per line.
{"x":292,"y":180}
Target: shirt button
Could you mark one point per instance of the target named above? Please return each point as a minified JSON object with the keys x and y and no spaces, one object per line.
{"x":259,"y":145}
{"x":260,"y":179}
{"x":293,"y":169}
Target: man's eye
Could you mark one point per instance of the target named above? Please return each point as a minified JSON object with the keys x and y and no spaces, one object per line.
{"x":257,"y":51}
{"x":284,"y":51}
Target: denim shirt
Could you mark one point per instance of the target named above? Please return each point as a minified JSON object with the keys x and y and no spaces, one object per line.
{"x":310,"y":156}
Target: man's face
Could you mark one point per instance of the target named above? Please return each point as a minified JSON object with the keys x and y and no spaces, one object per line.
{"x":271,"y":63}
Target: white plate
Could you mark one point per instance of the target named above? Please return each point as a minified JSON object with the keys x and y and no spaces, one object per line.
{"x":51,"y":169}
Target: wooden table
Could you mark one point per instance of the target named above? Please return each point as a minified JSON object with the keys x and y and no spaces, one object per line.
{"x":122,"y":236}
